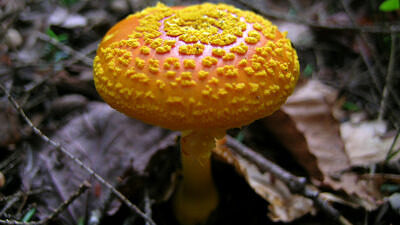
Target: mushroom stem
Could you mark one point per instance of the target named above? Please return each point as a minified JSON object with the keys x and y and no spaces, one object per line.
{"x":196,"y":196}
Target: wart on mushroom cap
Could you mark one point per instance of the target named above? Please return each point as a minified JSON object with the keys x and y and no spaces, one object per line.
{"x":197,"y":67}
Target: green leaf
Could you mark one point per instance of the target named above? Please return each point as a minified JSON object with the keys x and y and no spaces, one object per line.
{"x":349,"y":106}
{"x":390,"y":5}
{"x":307,"y":72}
{"x":240,"y":136}
{"x":51,"y":34}
{"x":28,"y":216}
{"x":81,"y":221}
{"x":390,"y":188}
{"x":68,"y":2}
{"x":60,"y":37}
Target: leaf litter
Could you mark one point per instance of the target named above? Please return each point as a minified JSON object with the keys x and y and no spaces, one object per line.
{"x":283,"y":206}
{"x":9,"y":125}
{"x":366,"y":142}
{"x":326,"y":148}
{"x":113,"y":145}
{"x":328,"y":158}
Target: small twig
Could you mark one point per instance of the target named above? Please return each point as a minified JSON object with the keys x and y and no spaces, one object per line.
{"x":296,"y":6}
{"x":11,"y":165}
{"x":389,"y":78}
{"x":82,"y":188}
{"x":8,"y":205}
{"x":19,"y":194}
{"x":370,"y":67}
{"x":12,"y":157}
{"x":295,"y":184}
{"x":63,"y":150}
{"x":363,"y":40}
{"x":15,"y":222}
{"x":56,"y":188}
{"x":21,"y":205}
{"x":66,"y":49}
{"x":11,"y":199}
{"x":391,"y":152}
{"x":147,"y":205}
{"x":85,"y":51}
{"x":383,"y":29}
{"x":372,"y":71}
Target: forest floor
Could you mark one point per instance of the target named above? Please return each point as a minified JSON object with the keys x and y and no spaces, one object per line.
{"x":328,"y":156}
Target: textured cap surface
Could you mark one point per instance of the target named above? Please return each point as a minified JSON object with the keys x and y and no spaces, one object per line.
{"x":196,"y":67}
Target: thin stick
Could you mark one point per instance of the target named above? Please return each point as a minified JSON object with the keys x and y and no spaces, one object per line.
{"x":295,"y":184}
{"x":390,"y":154}
{"x":15,"y":156}
{"x":363,"y":39}
{"x":82,"y":188}
{"x":15,"y":222}
{"x":19,"y":194}
{"x":373,"y":73}
{"x":296,"y":6}
{"x":383,"y":29}
{"x":8,"y":205}
{"x":389,"y":78}
{"x":63,"y":150}
{"x":147,"y":205}
{"x":88,"y":61}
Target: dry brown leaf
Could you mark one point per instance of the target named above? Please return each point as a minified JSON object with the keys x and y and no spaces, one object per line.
{"x":105,"y":140}
{"x":284,"y":205}
{"x":9,"y":124}
{"x":306,"y":127}
{"x":366,"y":142}
{"x":2,"y":179}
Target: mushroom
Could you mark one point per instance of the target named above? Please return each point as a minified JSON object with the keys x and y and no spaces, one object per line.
{"x":199,"y":69}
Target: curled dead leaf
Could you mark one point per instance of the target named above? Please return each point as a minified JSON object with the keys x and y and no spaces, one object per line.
{"x":366,"y":142}
{"x":284,"y":205}
{"x":306,"y":127}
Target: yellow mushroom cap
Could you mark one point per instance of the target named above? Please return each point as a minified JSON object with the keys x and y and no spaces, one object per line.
{"x":197,"y":67}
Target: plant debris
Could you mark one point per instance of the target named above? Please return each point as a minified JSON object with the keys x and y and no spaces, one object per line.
{"x":337,"y":137}
{"x":107,"y":141}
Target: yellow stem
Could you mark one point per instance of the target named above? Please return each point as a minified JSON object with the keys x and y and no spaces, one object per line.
{"x":196,"y":196}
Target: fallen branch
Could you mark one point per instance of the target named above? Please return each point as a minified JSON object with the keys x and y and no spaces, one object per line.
{"x":295,"y":184}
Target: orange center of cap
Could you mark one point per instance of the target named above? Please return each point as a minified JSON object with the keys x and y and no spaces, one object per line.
{"x":197,"y":67}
